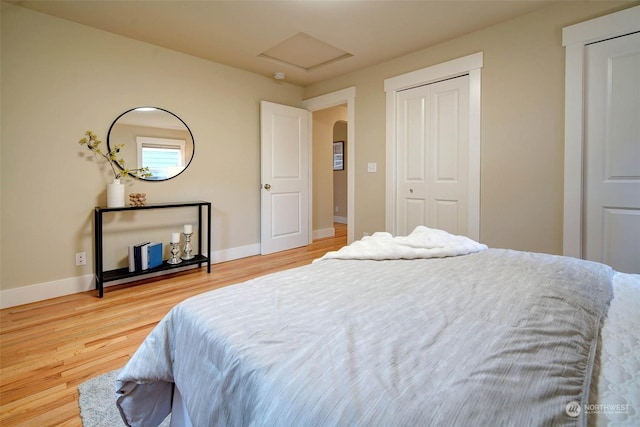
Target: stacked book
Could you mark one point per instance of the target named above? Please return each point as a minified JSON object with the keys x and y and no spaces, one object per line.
{"x":144,"y":256}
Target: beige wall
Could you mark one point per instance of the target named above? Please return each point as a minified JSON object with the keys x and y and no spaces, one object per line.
{"x":522,"y":125}
{"x":60,"y":79}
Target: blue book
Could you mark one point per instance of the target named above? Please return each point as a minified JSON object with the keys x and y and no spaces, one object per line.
{"x":154,"y":251}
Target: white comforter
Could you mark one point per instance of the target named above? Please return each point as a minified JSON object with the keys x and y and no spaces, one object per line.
{"x":422,"y":243}
{"x":495,"y":337}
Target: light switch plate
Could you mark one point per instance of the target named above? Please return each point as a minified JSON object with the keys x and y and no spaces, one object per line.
{"x":372,"y":167}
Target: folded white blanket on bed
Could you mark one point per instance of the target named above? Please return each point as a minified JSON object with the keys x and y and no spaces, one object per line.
{"x":423,"y":242}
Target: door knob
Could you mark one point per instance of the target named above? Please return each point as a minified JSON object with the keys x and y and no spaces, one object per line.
{"x":267,"y":186}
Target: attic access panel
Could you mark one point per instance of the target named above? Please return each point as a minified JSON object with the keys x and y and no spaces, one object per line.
{"x":304,"y":52}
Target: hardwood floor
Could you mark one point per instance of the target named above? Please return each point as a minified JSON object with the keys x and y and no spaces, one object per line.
{"x":50,"y":347}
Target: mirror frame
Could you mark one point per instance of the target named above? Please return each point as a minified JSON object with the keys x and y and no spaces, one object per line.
{"x":187,"y":163}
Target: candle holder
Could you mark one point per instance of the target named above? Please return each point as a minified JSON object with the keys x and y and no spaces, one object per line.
{"x":175,"y":250}
{"x":188,"y":250}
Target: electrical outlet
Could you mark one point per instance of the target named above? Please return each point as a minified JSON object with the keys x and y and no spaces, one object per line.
{"x":81,"y":258}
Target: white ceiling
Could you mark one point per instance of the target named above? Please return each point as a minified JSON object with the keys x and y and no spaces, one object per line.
{"x":248,"y":34}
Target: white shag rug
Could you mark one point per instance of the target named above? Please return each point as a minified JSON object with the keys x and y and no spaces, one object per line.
{"x":98,"y":402}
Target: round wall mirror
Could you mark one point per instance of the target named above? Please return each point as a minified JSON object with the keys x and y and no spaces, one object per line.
{"x":155,"y":138}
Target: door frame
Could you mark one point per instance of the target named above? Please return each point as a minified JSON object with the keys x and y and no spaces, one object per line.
{"x":344,"y":96}
{"x":575,"y":38}
{"x":472,"y":65}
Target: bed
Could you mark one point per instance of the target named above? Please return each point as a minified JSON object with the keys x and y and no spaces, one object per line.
{"x":424,"y":329}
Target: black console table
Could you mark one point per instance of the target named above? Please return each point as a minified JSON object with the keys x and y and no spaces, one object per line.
{"x":124,"y":273}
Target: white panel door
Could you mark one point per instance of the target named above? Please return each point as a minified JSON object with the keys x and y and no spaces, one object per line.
{"x":433,"y":157}
{"x":285,"y":177}
{"x":612,"y":163}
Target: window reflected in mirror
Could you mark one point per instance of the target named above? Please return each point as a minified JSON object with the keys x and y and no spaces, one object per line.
{"x":164,"y":157}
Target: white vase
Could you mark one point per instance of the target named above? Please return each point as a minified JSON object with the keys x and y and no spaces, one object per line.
{"x":115,"y":194}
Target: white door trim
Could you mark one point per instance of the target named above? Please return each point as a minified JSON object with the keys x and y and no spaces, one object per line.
{"x":344,"y":96}
{"x":472,"y":65}
{"x":574,"y":39}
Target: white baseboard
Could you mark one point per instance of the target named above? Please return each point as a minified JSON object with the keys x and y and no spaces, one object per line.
{"x":325,"y":232}
{"x":47,"y":290}
{"x":235,"y":253}
{"x":74,"y":285}
{"x":340,"y":219}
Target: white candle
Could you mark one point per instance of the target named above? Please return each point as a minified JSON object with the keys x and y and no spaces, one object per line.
{"x":175,"y":237}
{"x":188,"y":229}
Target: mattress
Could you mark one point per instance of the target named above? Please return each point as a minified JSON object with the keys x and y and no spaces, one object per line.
{"x":615,"y":387}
